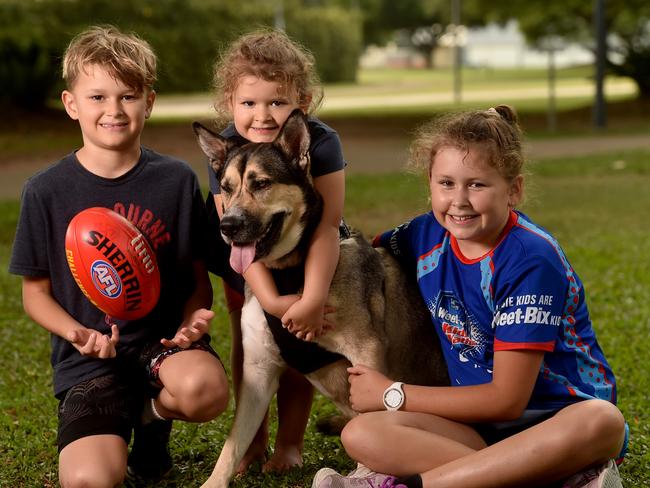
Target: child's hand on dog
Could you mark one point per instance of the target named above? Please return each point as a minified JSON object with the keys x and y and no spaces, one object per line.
{"x":281,"y":304}
{"x":306,"y":319}
{"x":367,"y":388}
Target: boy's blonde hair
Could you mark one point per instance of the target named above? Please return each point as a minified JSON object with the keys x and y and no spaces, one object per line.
{"x":272,"y":56}
{"x":127,"y":57}
{"x":495,"y":132}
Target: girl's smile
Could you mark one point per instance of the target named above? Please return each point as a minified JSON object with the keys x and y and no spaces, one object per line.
{"x":260,"y":108}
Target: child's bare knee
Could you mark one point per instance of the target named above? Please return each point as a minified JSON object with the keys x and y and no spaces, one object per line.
{"x":604,"y":427}
{"x":356,"y":435}
{"x":351,"y":433}
{"x":203,"y":396}
{"x":88,"y":477}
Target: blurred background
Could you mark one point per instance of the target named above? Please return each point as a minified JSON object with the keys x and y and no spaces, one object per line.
{"x":570,"y":67}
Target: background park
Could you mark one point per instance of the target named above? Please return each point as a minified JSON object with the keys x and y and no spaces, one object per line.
{"x":587,"y":141}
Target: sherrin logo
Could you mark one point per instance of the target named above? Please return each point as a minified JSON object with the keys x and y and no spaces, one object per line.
{"x":106,"y":279}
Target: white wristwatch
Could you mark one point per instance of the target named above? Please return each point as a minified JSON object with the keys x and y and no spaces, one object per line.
{"x":394,"y":396}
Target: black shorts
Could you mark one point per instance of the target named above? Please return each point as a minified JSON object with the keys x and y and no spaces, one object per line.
{"x":104,"y":405}
{"x":112,"y":404}
{"x":493,"y":433}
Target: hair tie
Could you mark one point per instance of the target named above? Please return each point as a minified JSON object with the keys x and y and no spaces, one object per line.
{"x":492,"y":109}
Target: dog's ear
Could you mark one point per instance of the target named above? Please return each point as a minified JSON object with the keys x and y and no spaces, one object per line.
{"x":293,"y":140}
{"x":214,"y":146}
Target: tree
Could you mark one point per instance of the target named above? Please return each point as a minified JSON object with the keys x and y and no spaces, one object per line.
{"x":186,"y":35}
{"x":627,"y":21}
{"x":417,"y":22}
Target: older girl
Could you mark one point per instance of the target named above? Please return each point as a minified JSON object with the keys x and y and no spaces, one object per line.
{"x":532,"y":398}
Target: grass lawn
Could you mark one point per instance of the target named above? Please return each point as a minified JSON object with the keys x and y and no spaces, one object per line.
{"x":596,"y":207}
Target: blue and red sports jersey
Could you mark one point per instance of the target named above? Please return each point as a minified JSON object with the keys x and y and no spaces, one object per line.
{"x":522,"y":295}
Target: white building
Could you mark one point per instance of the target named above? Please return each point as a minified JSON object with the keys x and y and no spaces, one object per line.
{"x":492,"y":46}
{"x":496,"y":46}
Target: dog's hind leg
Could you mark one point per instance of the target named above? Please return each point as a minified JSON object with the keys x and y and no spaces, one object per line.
{"x":261,"y":372}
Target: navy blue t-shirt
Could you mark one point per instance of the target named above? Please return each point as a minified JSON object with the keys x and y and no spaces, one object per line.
{"x":162,"y":198}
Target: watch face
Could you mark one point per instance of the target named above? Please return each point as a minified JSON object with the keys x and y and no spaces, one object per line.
{"x":393,"y":397}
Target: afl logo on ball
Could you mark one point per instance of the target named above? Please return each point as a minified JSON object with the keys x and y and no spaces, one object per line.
{"x":106,"y":279}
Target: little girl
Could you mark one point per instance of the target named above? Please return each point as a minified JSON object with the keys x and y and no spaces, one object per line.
{"x":260,"y":79}
{"x":532,"y":398}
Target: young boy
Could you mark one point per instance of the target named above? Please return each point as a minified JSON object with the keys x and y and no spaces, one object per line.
{"x":115,"y":376}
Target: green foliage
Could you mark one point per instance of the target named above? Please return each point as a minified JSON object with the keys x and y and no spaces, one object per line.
{"x":28,"y":48}
{"x":333,"y":36}
{"x":627,"y":22}
{"x":186,"y":36}
{"x":381,"y":18}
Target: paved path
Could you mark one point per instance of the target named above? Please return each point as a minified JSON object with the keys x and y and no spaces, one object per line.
{"x":201,"y":106}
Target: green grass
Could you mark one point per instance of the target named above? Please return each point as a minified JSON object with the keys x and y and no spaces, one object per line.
{"x":597,"y":208}
{"x":480,"y":86}
{"x":395,"y":81}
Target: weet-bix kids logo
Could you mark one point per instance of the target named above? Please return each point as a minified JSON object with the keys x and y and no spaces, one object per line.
{"x":459,"y":327}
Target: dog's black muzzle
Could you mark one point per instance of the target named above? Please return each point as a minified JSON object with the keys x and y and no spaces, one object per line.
{"x":239,"y":226}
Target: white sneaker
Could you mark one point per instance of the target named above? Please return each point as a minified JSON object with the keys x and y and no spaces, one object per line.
{"x":321,"y":474}
{"x":328,"y":478}
{"x":606,"y":476}
{"x":360,"y":471}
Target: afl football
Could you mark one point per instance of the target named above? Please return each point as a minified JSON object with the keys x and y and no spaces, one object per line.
{"x":112,"y":263}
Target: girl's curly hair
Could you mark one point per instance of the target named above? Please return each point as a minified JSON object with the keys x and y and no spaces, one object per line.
{"x":495,"y":131}
{"x":272,"y":56}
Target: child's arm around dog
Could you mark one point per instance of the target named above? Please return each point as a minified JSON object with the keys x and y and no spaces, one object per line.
{"x":304,"y":316}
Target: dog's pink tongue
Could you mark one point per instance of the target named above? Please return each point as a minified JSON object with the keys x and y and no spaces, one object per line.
{"x":241,"y":257}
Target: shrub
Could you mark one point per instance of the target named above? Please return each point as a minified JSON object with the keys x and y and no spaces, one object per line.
{"x":186,"y":36}
{"x":334,"y":36}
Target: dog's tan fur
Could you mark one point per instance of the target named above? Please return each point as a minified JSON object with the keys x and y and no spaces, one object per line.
{"x":381,"y":320}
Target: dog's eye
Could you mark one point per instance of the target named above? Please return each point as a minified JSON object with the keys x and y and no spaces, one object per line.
{"x":260,"y":184}
{"x":226,"y":188}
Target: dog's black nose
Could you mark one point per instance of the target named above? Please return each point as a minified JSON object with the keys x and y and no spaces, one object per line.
{"x":237,"y":224}
{"x":231,"y":224}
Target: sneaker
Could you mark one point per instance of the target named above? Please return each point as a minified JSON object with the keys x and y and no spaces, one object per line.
{"x":605,"y":476}
{"x":150,"y":458}
{"x":360,"y":471}
{"x":328,"y":478}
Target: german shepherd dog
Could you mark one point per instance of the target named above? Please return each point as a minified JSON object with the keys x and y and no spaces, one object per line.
{"x":271,"y":210}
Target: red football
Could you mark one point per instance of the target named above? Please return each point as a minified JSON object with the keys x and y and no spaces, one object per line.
{"x":112,"y":263}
